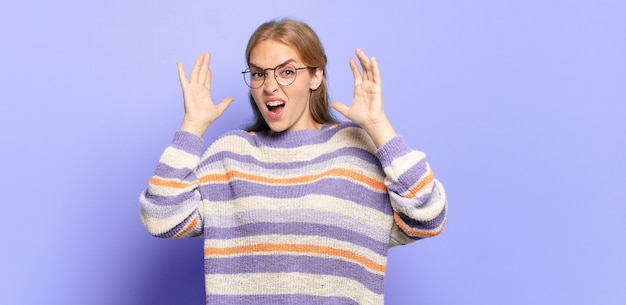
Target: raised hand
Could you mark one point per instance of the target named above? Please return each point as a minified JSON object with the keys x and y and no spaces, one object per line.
{"x":367,"y":105}
{"x":200,"y":111}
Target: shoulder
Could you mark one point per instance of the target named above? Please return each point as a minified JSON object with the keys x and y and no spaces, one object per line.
{"x":344,"y":125}
{"x":344,"y":128}
{"x":237,"y":133}
{"x":351,"y":134}
{"x":233,"y":140}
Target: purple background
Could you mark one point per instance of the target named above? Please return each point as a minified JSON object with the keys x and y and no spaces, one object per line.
{"x":520,"y":106}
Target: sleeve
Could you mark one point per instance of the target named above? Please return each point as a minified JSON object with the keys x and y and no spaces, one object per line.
{"x":171,"y":205}
{"x":417,"y":198}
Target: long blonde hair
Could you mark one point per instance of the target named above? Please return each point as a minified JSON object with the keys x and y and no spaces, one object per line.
{"x":304,"y":40}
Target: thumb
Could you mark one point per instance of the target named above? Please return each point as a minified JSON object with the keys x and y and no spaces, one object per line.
{"x":341,"y":108}
{"x":224,"y":104}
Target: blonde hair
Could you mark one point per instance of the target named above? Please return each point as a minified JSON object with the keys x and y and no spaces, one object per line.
{"x":304,"y":40}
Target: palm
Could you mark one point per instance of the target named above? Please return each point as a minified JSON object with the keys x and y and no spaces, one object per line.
{"x":367,"y":104}
{"x":198,"y":102}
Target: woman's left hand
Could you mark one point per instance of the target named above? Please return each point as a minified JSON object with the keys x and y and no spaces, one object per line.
{"x":367,"y":105}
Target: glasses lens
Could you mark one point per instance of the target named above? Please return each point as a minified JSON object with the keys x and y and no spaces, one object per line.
{"x":286,"y":75}
{"x":253,"y":78}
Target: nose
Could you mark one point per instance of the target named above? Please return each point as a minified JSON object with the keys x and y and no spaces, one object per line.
{"x":271,"y":83}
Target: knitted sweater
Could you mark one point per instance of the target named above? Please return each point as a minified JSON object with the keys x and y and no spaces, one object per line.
{"x":301,"y":217}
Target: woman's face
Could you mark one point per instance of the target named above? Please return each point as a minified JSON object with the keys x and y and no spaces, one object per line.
{"x":284,"y":108}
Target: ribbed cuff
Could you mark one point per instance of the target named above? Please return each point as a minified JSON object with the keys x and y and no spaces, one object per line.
{"x":394,"y":148}
{"x":188,"y":142}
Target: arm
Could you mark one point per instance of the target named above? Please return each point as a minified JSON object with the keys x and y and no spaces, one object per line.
{"x":171,"y":205}
{"x":417,"y":198}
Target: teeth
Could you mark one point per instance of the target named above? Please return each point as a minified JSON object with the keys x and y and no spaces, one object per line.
{"x":274,"y":103}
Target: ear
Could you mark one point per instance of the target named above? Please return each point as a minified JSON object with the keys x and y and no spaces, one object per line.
{"x":316,"y":79}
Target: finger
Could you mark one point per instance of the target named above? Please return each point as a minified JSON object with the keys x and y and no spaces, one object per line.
{"x":355,"y":72}
{"x":181,"y":75}
{"x":204,"y":69}
{"x":207,"y":76}
{"x":365,"y":64}
{"x":341,"y":108}
{"x":195,"y":71}
{"x":375,"y":71}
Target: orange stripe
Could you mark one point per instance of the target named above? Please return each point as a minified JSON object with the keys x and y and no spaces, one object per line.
{"x":214,"y":178}
{"x":169,"y":183}
{"x":420,"y":185}
{"x":190,"y":225}
{"x":373,"y":183}
{"x":185,"y":184}
{"x":414,"y":232}
{"x":295,"y":248}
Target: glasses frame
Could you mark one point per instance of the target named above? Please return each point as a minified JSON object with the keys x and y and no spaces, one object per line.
{"x":248,"y":71}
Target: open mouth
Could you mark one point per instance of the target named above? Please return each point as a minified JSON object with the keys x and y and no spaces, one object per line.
{"x":275,"y":106}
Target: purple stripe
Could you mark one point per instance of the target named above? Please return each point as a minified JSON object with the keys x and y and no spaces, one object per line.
{"x":303,"y":214}
{"x":187,"y":142}
{"x":287,"y":299}
{"x":425,"y":225}
{"x":192,"y":233}
{"x":296,"y":138}
{"x":295,"y":263}
{"x":354,"y":152}
{"x":167,"y":172}
{"x":297,"y":228}
{"x":393,"y":149}
{"x":292,"y":138}
{"x":169,"y":200}
{"x":338,"y":188}
{"x":409,"y":177}
{"x":426,"y":196}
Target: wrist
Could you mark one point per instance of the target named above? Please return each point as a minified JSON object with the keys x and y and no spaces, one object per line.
{"x":197,"y":128}
{"x":380,"y":132}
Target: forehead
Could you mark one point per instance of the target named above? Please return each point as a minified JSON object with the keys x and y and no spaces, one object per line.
{"x":270,"y":53}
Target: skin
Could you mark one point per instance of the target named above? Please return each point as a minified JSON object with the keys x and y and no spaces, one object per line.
{"x":366,"y":108}
{"x":295,"y":115}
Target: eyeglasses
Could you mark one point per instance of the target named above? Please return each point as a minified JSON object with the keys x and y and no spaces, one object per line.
{"x":284,"y":74}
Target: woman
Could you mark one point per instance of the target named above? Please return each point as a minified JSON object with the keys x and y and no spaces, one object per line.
{"x":298,"y":209}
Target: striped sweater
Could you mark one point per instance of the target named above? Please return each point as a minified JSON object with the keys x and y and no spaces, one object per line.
{"x":301,"y":217}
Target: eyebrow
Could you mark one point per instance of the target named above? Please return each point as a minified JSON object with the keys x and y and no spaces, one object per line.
{"x":252,"y":65}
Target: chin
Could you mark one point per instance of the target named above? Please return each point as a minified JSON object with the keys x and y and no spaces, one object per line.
{"x":276,"y":128}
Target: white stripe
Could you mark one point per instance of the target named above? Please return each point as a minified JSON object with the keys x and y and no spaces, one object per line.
{"x":342,"y":162}
{"x":291,"y":283}
{"x":346,"y":208}
{"x":401,"y":164}
{"x":346,"y":137}
{"x":179,"y":159}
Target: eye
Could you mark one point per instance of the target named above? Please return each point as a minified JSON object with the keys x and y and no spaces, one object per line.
{"x":257,"y":75}
{"x":287,"y":72}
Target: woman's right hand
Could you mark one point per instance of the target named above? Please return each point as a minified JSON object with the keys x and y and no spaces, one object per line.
{"x":200,"y":111}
